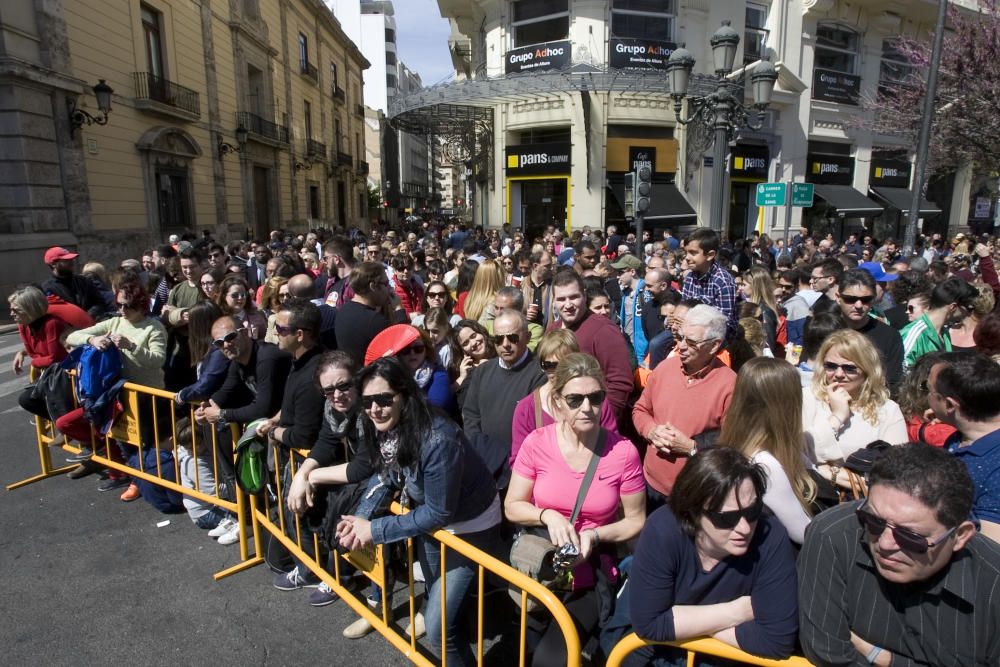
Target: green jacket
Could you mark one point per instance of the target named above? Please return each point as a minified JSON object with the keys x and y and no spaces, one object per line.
{"x":919,"y":338}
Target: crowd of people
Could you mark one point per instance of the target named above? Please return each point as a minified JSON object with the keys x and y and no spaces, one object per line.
{"x":785,"y":447}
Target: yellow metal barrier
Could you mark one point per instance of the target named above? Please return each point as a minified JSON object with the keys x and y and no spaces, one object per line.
{"x":375,"y":569}
{"x":45,"y":436}
{"x":707,"y":646}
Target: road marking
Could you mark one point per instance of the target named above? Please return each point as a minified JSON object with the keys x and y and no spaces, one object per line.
{"x":13,"y":386}
{"x":11,"y":348}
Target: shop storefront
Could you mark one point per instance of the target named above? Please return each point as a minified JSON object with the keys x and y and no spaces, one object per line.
{"x":748,"y":166}
{"x":839,"y":208}
{"x":889,"y":183}
{"x":538,"y":186}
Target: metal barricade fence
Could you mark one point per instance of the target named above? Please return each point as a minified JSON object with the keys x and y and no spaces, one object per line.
{"x":713,"y":647}
{"x":273,"y":517}
{"x":45,"y":436}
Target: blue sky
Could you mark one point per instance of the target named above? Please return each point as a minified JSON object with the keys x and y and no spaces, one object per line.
{"x":422,"y":39}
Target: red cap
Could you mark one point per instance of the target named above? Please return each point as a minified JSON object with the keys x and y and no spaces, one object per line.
{"x":55,"y":253}
{"x":390,"y":341}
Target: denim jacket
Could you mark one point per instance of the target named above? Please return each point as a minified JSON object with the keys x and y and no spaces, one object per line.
{"x":450,"y":483}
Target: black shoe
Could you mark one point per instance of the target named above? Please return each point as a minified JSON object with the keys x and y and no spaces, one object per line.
{"x":112,"y":483}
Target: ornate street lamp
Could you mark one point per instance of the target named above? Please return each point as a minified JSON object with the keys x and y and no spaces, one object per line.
{"x":721,"y":113}
{"x":241,"y":141}
{"x":78,"y":117}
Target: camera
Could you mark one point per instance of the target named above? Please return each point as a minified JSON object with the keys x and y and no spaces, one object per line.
{"x":565,"y":556}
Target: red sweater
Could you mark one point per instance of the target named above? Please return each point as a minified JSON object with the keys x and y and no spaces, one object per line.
{"x":691,"y":407}
{"x":411,"y":296}
{"x":69,"y":313}
{"x":41,"y":341}
{"x":600,"y":338}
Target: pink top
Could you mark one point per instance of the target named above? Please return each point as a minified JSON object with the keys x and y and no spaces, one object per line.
{"x":619,"y":473}
{"x":523,"y":422}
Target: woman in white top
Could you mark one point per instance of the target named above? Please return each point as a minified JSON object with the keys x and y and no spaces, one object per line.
{"x":764,"y":422}
{"x":849,"y":405}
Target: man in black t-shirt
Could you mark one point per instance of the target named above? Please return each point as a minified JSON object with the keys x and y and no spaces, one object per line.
{"x":856,"y":295}
{"x":362,"y":318}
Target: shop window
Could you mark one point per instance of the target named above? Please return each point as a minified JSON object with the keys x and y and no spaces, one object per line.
{"x":538,"y":21}
{"x":837,"y":48}
{"x":643,"y":19}
{"x":755,"y":34}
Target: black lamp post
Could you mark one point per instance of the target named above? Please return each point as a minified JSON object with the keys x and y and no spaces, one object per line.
{"x":722,"y":112}
{"x":78,"y":117}
{"x":241,"y":141}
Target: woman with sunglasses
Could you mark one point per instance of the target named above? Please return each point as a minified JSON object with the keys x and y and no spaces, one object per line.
{"x":535,"y":410}
{"x":474,"y":341}
{"x":415,"y":352}
{"x":545,"y":483}
{"x":235,"y":300}
{"x":711,"y":563}
{"x":272,"y":298}
{"x":848,"y":406}
{"x":444,"y":483}
{"x":436,"y":295}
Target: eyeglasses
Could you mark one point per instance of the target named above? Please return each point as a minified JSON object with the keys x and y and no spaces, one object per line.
{"x":437,"y":295}
{"x":907,"y":540}
{"x":238,"y":296}
{"x":512,"y":338}
{"x":283,"y":295}
{"x":911,"y":308}
{"x":228,"y":338}
{"x":849,"y":369}
{"x":549,"y":366}
{"x":730,"y":519}
{"x":851,"y":300}
{"x":342,"y":387}
{"x":689,"y":342}
{"x":415,"y":348}
{"x":813,"y":279}
{"x":381,"y":400}
{"x":284,"y":331}
{"x":574,"y":401}
{"x":123,"y":306}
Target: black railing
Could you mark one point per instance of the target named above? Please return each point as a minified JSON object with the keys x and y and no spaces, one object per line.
{"x":151,"y":87}
{"x":362,"y":167}
{"x":338,"y":94}
{"x":315,"y":149}
{"x":309,"y":70}
{"x":360,"y":110}
{"x":344,"y":159}
{"x":261,"y":127}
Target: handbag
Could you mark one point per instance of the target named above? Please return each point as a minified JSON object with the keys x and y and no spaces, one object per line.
{"x":534,"y":555}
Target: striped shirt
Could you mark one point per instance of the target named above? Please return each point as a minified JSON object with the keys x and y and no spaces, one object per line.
{"x":950,"y":620}
{"x":717,"y":288}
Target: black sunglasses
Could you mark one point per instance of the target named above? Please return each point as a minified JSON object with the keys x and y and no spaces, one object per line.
{"x":729,"y":520}
{"x":849,"y":369}
{"x":907,"y":540}
{"x":851,"y":300}
{"x":381,"y":400}
{"x":228,"y":338}
{"x":284,"y":331}
{"x":342,"y":387}
{"x":414,"y":348}
{"x":123,"y":306}
{"x":511,"y":338}
{"x":437,"y":295}
{"x":576,"y":400}
{"x":548,"y":366}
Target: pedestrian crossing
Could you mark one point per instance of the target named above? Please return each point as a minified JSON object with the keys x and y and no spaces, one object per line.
{"x":10,"y":384}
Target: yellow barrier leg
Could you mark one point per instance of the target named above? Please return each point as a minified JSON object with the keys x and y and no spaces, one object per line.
{"x":42,"y":440}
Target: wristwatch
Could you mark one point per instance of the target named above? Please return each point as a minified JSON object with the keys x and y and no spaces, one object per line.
{"x":834,"y":472}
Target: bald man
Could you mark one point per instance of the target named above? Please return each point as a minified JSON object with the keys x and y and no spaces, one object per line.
{"x":302,"y":286}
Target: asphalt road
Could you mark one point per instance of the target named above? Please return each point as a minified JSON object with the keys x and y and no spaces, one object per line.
{"x":90,"y":580}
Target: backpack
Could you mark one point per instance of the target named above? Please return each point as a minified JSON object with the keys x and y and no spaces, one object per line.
{"x":97,"y":370}
{"x":251,"y":459}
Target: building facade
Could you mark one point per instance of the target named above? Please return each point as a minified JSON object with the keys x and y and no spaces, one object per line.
{"x":236,"y":118}
{"x":563,"y":97}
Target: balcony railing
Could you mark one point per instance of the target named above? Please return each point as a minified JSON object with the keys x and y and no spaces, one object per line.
{"x":315,"y":149}
{"x":338,"y":94}
{"x":360,"y":110}
{"x":362,"y":167}
{"x":157,"y":89}
{"x":262,"y":127}
{"x":344,"y":159}
{"x":309,"y":71}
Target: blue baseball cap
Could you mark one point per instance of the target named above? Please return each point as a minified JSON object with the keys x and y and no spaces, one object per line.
{"x":878,"y":273}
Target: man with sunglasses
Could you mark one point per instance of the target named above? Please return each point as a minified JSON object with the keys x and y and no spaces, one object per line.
{"x":490,"y":395}
{"x":901,"y":578}
{"x":856,"y":296}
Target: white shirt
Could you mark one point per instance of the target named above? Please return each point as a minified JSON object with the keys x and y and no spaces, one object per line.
{"x":826,"y":444}
{"x":780,"y":497}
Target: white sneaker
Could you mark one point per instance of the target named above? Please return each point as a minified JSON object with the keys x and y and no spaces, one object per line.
{"x":418,"y":572}
{"x":225,"y":526}
{"x":232,"y":537}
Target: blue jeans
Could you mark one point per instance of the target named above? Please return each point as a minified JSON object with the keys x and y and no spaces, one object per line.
{"x":460,"y":575}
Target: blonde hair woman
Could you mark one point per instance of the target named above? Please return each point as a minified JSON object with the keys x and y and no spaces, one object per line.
{"x":758,"y":287}
{"x":848,"y":406}
{"x":490,"y":277}
{"x":764,"y":422}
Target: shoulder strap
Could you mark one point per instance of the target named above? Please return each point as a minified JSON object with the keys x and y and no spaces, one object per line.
{"x":538,"y":407}
{"x":588,"y":477}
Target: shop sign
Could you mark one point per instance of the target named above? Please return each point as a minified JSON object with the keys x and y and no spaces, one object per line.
{"x":537,"y":58}
{"x":831,"y":86}
{"x":830,"y":169}
{"x":890,"y":173}
{"x":639,"y":53}
{"x":982,"y":210}
{"x":642,"y":156}
{"x":749,"y":161}
{"x":538,"y":159}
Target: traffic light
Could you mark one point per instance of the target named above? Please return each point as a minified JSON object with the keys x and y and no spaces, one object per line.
{"x":629,"y":195}
{"x":643,"y":189}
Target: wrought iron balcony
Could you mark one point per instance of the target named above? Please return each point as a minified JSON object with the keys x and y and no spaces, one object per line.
{"x":339,"y":94}
{"x":362,"y":167}
{"x":262,"y":128}
{"x":150,"y":88}
{"x":315,"y":149}
{"x":360,"y":110}
{"x":309,"y":71}
{"x":344,"y":159}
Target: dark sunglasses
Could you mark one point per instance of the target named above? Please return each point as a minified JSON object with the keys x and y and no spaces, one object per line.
{"x":849,"y":369}
{"x":511,"y":338}
{"x":415,"y":348}
{"x":342,"y":387}
{"x":437,"y":295}
{"x":576,"y":400}
{"x":907,"y":540}
{"x":284,"y":331}
{"x":228,"y":338}
{"x":381,"y":400}
{"x":123,"y":306}
{"x":729,"y":520}
{"x":549,"y":366}
{"x":911,"y":309}
{"x":851,"y":300}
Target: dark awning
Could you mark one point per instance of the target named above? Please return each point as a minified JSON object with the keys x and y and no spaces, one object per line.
{"x":901,"y":198}
{"x":848,"y":202}
{"x":667,"y":203}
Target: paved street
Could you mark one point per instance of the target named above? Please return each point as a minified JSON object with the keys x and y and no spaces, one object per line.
{"x":89,"y":580}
